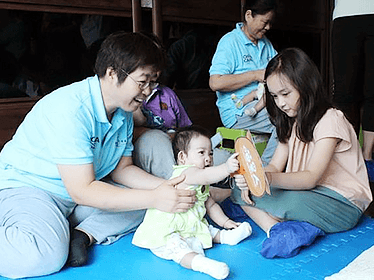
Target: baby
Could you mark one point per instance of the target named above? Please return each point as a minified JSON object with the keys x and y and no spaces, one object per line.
{"x":182,"y":237}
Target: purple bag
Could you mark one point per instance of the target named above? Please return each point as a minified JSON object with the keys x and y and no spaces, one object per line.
{"x":164,"y":110}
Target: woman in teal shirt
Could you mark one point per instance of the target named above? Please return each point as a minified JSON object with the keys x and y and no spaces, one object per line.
{"x":238,"y":66}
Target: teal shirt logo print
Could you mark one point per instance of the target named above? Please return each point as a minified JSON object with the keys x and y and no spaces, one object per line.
{"x":247,"y":58}
{"x":94,"y":141}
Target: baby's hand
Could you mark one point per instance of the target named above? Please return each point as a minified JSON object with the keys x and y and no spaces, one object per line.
{"x":230,"y":224}
{"x":232,"y":164}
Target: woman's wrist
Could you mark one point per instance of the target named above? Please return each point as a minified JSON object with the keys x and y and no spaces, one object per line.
{"x":269,"y":177}
{"x":261,"y":76}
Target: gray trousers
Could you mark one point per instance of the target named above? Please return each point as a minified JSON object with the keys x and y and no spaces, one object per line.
{"x":34,"y":230}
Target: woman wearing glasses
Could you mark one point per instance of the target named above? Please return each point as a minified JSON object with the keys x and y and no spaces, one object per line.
{"x":69,"y":142}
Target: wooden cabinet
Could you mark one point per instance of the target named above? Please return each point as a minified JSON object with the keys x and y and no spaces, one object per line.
{"x":102,"y":7}
{"x":210,"y":12}
{"x":12,"y":113}
{"x":201,"y":107}
{"x":303,"y":24}
{"x":13,"y":110}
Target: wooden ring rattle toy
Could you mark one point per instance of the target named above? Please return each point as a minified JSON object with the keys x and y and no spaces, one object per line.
{"x":251,"y":166}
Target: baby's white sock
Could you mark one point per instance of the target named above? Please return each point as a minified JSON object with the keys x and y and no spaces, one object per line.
{"x":250,"y":111}
{"x":234,"y":236}
{"x":216,"y":269}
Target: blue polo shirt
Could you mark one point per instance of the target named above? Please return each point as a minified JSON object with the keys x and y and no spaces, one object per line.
{"x":236,"y":54}
{"x":68,"y":126}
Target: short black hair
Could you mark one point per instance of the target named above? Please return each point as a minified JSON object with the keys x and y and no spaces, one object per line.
{"x":129,"y":51}
{"x":183,"y":136}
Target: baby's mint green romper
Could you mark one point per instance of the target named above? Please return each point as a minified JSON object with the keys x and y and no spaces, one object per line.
{"x":158,"y":226}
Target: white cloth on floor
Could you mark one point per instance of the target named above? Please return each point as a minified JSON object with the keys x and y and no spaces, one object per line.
{"x":361,"y":268}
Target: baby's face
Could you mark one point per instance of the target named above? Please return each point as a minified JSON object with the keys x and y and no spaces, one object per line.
{"x":199,"y":152}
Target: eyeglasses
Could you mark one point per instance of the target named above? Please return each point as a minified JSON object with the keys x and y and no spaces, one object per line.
{"x":142,"y":85}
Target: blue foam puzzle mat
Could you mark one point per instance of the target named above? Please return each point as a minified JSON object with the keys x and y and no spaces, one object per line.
{"x":326,"y":256}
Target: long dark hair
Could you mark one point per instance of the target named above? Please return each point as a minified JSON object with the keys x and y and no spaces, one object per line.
{"x":295,"y":65}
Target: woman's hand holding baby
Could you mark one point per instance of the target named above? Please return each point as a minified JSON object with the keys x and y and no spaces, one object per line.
{"x":168,"y":198}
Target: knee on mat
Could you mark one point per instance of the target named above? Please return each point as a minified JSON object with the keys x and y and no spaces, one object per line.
{"x":31,"y":264}
{"x":294,"y":208}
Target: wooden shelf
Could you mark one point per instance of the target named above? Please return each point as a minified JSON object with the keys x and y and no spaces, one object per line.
{"x":12,"y":113}
{"x":297,"y":20}
{"x":102,"y":7}
{"x":197,"y":11}
{"x":13,"y":110}
{"x":200,"y":105}
{"x":216,"y":12}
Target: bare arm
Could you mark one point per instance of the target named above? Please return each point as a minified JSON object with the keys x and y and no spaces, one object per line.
{"x":84,"y":189}
{"x":233,"y":82}
{"x":307,"y":179}
{"x":206,"y":176}
{"x":279,"y":160}
{"x":126,"y":173}
{"x":213,"y":174}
